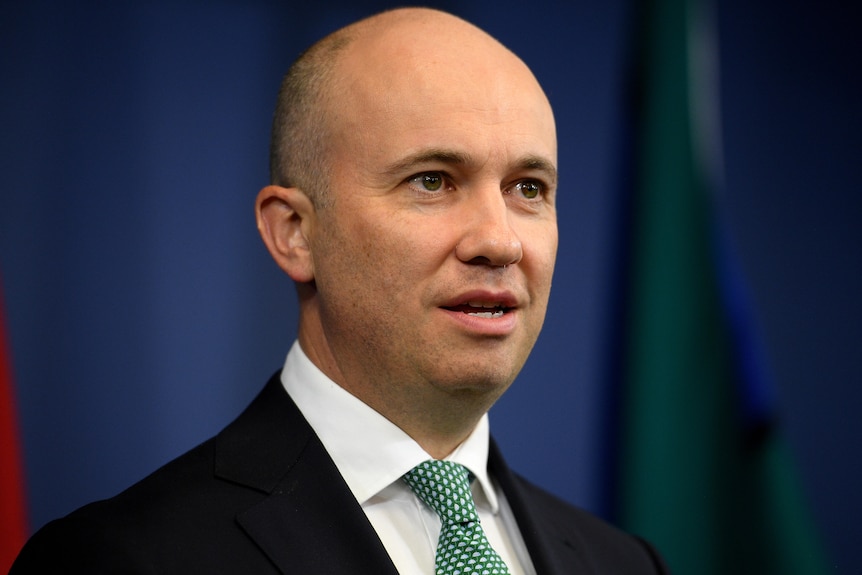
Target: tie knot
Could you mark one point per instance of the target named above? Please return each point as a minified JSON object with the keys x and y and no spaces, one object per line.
{"x":444,"y":486}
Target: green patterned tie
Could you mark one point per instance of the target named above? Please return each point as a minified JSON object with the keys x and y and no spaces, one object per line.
{"x":463,"y":548}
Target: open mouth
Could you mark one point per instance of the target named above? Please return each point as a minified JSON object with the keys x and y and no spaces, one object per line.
{"x":481,"y":310}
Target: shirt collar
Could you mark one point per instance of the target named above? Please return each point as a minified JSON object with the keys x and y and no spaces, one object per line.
{"x":370,"y":451}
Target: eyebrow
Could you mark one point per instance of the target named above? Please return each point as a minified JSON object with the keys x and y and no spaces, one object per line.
{"x":453,"y":157}
{"x":540,"y":164}
{"x":433,"y":155}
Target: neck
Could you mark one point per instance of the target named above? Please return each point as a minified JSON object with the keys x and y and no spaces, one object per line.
{"x":438,"y":430}
{"x":438,"y":418}
{"x":438,"y":421}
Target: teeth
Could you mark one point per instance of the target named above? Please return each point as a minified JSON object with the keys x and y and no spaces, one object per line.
{"x":487,"y":314}
{"x":482,"y":304}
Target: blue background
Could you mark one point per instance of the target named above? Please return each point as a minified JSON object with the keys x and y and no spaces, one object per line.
{"x":144,"y":312}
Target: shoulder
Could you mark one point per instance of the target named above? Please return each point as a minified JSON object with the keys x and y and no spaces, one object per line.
{"x":129,"y":532}
{"x":181,"y":518}
{"x":592,"y":540}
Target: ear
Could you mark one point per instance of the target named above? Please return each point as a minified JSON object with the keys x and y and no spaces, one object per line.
{"x":284,"y":217}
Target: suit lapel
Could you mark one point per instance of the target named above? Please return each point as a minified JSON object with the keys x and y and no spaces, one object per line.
{"x":308,"y":521}
{"x":312,"y":523}
{"x":552,"y":550}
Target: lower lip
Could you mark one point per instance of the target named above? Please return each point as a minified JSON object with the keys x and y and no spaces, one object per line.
{"x":489,"y":326}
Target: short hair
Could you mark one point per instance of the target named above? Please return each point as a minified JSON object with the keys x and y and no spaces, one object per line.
{"x":299,"y":141}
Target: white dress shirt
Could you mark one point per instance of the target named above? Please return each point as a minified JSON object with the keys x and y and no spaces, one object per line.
{"x":372,"y":454}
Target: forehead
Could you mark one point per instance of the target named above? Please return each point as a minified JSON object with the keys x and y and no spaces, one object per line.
{"x":448,"y":85}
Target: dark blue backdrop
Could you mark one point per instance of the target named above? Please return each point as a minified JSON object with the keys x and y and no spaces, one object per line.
{"x":144,"y":312}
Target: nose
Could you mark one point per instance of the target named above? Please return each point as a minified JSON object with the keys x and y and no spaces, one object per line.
{"x":488,"y":237}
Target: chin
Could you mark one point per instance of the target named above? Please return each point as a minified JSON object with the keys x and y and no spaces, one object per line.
{"x":478,"y":380}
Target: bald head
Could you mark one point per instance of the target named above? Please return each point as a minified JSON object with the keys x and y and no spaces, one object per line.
{"x":371,"y":63}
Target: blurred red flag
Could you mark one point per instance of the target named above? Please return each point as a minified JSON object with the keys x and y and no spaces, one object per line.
{"x":13,"y":521}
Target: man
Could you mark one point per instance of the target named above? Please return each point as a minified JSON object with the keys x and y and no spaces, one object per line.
{"x":414,"y":180}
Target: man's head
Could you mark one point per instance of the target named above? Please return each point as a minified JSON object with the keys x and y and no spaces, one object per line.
{"x":416,"y":214}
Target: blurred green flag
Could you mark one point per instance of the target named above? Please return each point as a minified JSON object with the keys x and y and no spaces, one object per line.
{"x":703,"y":472}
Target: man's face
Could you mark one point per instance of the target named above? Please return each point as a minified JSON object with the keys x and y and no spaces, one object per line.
{"x":433,"y":263}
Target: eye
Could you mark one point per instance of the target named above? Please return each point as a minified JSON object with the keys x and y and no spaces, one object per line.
{"x":530,"y":189}
{"x":428,"y":181}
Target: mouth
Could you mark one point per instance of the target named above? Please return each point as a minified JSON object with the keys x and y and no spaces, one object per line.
{"x":482,"y":310}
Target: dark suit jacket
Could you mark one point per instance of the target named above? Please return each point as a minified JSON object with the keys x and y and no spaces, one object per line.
{"x":263,"y":496}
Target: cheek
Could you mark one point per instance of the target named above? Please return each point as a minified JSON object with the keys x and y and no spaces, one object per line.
{"x":540,"y":254}
{"x":394,"y":243}
{"x":372,"y":258}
